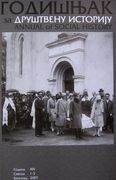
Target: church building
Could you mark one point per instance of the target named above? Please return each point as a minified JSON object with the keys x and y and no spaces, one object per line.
{"x":59,"y":61}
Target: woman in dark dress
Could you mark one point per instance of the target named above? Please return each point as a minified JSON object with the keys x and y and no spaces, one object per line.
{"x":75,"y":115}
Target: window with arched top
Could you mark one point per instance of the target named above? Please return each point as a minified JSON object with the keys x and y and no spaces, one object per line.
{"x":21,"y":43}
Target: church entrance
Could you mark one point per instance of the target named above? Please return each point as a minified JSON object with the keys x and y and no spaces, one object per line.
{"x":63,"y":77}
{"x":68,"y":80}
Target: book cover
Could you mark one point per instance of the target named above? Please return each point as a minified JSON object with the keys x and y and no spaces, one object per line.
{"x":57,"y":90}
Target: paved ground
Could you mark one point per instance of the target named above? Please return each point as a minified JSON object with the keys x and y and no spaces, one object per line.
{"x":26,"y":137}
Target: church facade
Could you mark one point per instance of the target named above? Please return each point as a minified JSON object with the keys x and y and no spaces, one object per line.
{"x":58,"y":61}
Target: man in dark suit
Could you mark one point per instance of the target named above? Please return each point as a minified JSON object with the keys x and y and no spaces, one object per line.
{"x":39,"y":115}
{"x":108,"y":112}
{"x":46,"y":116}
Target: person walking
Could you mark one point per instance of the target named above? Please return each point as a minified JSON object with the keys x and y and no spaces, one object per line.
{"x":108,"y":113}
{"x":39,"y":115}
{"x":51,"y":104}
{"x":61,"y":113}
{"x":46,"y":97}
{"x":76,"y":115}
{"x":97,"y":115}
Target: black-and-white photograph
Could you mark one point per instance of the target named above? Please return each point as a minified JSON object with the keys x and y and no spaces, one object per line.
{"x":57,"y":88}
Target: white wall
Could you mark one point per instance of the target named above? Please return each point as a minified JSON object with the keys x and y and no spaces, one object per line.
{"x":98,"y":62}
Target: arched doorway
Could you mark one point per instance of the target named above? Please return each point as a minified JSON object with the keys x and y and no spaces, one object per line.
{"x":63,"y":74}
{"x":68,"y":80}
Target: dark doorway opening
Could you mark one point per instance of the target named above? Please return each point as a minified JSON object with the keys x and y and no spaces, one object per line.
{"x":68,"y":80}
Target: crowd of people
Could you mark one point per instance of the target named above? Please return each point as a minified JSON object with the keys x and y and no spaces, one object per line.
{"x":45,"y":111}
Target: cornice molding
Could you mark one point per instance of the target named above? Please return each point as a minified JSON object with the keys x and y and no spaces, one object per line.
{"x":66,"y":37}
